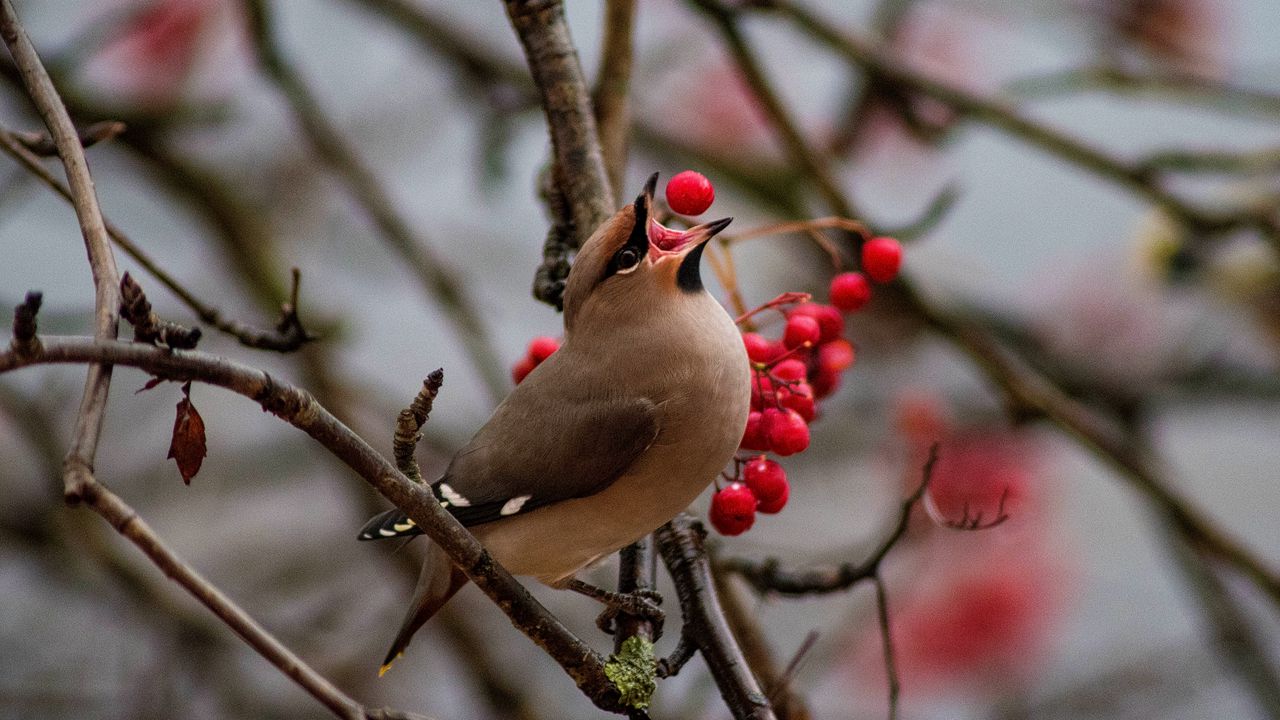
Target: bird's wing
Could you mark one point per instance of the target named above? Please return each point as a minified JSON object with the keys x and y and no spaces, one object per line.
{"x":531,"y":455}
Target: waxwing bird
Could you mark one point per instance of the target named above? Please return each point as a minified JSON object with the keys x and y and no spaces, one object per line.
{"x":611,"y":436}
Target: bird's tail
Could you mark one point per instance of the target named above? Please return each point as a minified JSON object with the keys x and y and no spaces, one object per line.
{"x":439,"y":580}
{"x":389,"y":524}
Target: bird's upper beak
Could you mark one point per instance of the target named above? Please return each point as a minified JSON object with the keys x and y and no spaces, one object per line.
{"x":665,"y":242}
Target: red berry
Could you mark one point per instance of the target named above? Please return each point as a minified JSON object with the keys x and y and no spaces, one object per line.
{"x":801,"y":329}
{"x":787,"y":431}
{"x":758,"y":348}
{"x":790,"y":369}
{"x":881,"y":258}
{"x":522,"y":369}
{"x":777,"y":503}
{"x":850,"y":291}
{"x":733,"y":509}
{"x":829,"y":319}
{"x":541,"y":348}
{"x":755,"y":437}
{"x":835,"y":356}
{"x":766,"y":479}
{"x":824,"y":382}
{"x":761,"y":390}
{"x":799,"y":397}
{"x":690,"y":193}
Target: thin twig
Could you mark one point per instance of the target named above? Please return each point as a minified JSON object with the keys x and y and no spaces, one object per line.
{"x":106,"y":281}
{"x":435,"y":275}
{"x":289,"y":335}
{"x":410,"y":422}
{"x":770,"y":577}
{"x":886,"y":637}
{"x":1182,"y":87}
{"x":127,"y":522}
{"x":298,"y":408}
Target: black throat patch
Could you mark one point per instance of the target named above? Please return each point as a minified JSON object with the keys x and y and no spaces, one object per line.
{"x":689,"y":276}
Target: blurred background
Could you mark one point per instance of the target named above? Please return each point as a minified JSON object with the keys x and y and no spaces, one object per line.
{"x":1082,"y":605}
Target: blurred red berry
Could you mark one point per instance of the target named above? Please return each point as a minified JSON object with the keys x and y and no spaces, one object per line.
{"x":881,"y":258}
{"x":733,"y":509}
{"x":522,"y":369}
{"x":758,"y":348}
{"x":766,"y":478}
{"x":790,"y":369}
{"x":824,"y":382}
{"x":541,"y":348}
{"x":850,"y":291}
{"x":801,"y":329}
{"x":830,"y":321}
{"x":755,"y":437}
{"x":690,"y":193}
{"x":835,"y":356}
{"x":787,"y":431}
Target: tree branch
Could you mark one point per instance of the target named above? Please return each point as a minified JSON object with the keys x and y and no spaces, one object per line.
{"x":610,"y":98}
{"x":78,"y":465}
{"x":680,"y":542}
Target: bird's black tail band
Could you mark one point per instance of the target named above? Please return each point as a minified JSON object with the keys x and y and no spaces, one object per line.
{"x":387,"y":525}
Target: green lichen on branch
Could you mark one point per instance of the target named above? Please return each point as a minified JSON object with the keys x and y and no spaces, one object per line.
{"x":633,"y":671}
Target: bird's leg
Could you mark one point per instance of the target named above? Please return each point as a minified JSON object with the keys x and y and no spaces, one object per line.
{"x":641,"y":603}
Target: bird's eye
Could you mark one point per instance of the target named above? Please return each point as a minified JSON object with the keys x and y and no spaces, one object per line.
{"x":626,"y":259}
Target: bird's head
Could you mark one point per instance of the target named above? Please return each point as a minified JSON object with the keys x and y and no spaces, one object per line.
{"x":634,"y":262}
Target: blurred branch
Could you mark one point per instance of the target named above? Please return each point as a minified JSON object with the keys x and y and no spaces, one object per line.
{"x":681,"y":544}
{"x":127,"y":522}
{"x":610,"y":98}
{"x":1225,"y":162}
{"x":289,"y":333}
{"x":42,"y":145}
{"x":298,"y":408}
{"x":78,"y":464}
{"x":1180,"y":87}
{"x":1233,"y":635}
{"x":1130,"y":175}
{"x":434,"y":275}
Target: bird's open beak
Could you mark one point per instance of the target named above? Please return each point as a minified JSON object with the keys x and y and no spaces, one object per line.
{"x":665,"y":242}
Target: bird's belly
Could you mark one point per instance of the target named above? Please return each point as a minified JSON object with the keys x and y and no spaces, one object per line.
{"x":554,"y":542}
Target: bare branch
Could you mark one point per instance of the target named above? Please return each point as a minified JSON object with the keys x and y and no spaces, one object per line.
{"x":42,"y":145}
{"x":84,"y":442}
{"x":410,"y":421}
{"x":680,"y":542}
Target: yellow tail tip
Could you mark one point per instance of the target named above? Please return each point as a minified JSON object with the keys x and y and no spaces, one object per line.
{"x":387,"y":665}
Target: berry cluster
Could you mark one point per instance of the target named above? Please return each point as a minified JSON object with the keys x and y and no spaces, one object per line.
{"x":540,"y":348}
{"x":788,"y":378}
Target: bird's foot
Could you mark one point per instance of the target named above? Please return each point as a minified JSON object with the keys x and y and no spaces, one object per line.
{"x":639,"y":603}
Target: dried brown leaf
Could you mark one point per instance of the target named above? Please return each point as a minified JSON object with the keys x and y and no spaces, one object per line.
{"x":188,"y":446}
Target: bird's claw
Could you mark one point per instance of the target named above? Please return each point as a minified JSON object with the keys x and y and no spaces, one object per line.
{"x":639,"y":603}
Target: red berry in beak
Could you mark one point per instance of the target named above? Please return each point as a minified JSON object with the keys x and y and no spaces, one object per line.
{"x":690,"y":193}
